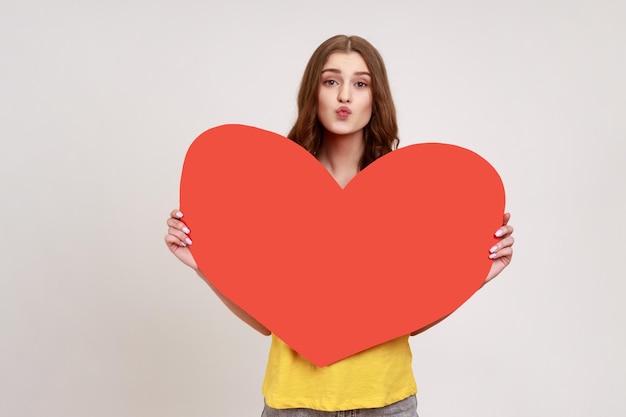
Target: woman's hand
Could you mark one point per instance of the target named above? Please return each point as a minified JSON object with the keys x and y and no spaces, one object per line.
{"x":178,"y":241}
{"x":501,"y":252}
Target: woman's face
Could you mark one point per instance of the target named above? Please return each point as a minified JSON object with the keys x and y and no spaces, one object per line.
{"x":344,"y":101}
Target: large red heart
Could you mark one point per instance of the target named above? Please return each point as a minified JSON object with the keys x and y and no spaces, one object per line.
{"x":335,"y":271}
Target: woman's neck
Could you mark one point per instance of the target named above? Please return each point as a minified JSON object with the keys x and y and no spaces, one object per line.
{"x":341,"y":156}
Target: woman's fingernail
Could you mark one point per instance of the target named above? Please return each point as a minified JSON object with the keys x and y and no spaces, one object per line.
{"x":499,"y":233}
{"x":183,"y":244}
{"x":492,"y":256}
{"x":493,"y":249}
{"x":179,"y":214}
{"x":186,"y":229}
{"x":188,"y":241}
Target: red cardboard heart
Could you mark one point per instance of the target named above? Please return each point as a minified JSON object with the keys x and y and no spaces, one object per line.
{"x":335,"y":271}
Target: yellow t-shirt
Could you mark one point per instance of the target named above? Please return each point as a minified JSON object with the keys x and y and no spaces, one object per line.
{"x":373,"y":378}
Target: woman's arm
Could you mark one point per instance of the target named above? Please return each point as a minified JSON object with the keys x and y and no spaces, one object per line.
{"x":237,"y":310}
{"x":501,"y":254}
{"x":177,"y":240}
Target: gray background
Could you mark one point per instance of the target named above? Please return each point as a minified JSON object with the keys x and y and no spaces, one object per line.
{"x":100,"y":101}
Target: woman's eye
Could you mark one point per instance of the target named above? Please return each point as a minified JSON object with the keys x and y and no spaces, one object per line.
{"x":330,"y":82}
{"x":360,"y":84}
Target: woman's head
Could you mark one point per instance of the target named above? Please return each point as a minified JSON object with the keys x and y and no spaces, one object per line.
{"x":381,"y":133}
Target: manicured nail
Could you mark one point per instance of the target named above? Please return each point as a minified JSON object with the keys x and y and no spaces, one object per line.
{"x":499,"y":233}
{"x":186,"y":229}
{"x":493,"y":249}
{"x":179,"y":214}
{"x":492,"y":256}
{"x":188,"y":241}
{"x":183,"y":244}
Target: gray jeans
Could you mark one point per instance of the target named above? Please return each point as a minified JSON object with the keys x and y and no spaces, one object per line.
{"x":404,"y":408}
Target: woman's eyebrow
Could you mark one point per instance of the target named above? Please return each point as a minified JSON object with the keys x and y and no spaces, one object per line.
{"x":331,"y":70}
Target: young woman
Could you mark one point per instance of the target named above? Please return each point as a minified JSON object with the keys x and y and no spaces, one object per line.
{"x":347,"y":119}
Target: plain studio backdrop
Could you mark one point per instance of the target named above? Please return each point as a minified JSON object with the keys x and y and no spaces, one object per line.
{"x":100,"y":101}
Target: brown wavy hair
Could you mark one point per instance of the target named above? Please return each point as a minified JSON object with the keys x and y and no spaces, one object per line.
{"x":380,"y":134}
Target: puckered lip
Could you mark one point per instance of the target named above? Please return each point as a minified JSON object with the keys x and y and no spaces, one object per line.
{"x":344,"y":109}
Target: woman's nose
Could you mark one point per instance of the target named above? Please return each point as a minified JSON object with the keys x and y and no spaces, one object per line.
{"x":344,"y":94}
